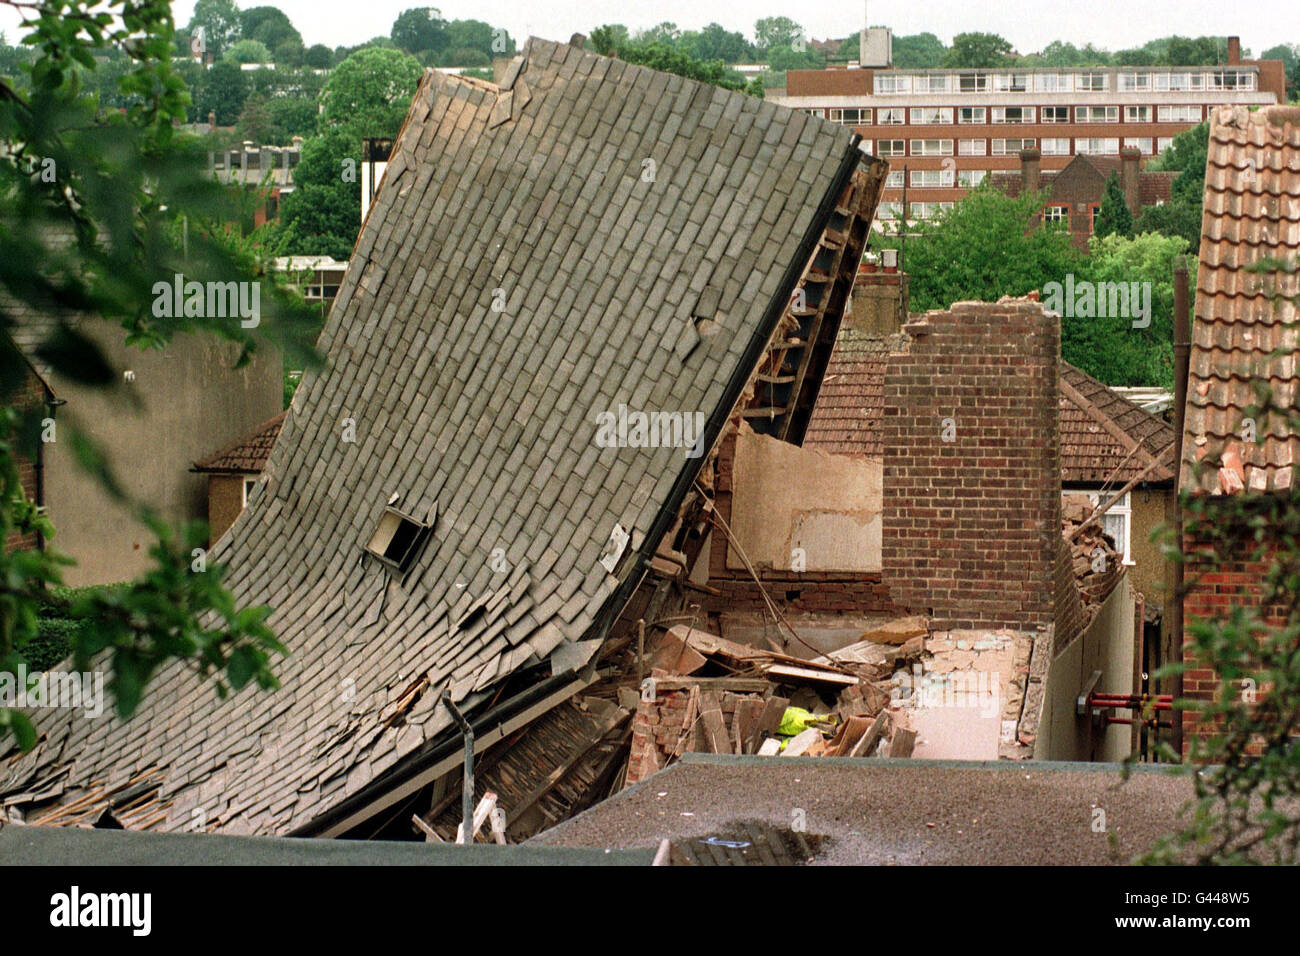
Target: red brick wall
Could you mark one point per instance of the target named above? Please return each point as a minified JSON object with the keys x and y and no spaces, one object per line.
{"x":971,"y":525}
{"x":1217,"y":590}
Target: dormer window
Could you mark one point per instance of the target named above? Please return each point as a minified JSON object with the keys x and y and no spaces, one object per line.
{"x":397,"y":540}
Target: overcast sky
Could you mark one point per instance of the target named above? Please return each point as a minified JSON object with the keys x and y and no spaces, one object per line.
{"x":1028,"y":24}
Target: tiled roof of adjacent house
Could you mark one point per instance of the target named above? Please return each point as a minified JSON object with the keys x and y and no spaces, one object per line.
{"x":1105,"y":439}
{"x":847,"y":417}
{"x":1252,"y":213}
{"x":642,"y":233}
{"x":246,"y":455}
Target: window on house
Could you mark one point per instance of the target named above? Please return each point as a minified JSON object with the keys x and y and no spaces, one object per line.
{"x":1096,"y":114}
{"x":921,"y":115}
{"x":1143,"y":143}
{"x":1134,"y":81}
{"x":397,"y":540}
{"x":851,"y":117}
{"x":972,"y":147}
{"x":1059,"y":214}
{"x":893,"y":116}
{"x":1163,"y":143}
{"x":1056,"y":114}
{"x":934,"y":83}
{"x":1010,"y":147}
{"x":931,"y":177}
{"x":1118,"y":524}
{"x":1092,"y":82}
{"x":893,"y":84}
{"x":1053,"y":82}
{"x":1013,"y":114}
{"x":1137,"y":114}
{"x":931,"y":147}
{"x":1056,"y":146}
{"x":895,"y":179}
{"x":973,"y":82}
{"x":970,"y":178}
{"x":891,"y":147}
{"x":1011,"y":82}
{"x":1093,"y":209}
{"x":889,"y":210}
{"x":1097,"y":146}
{"x":1179,"y":114}
{"x":249,"y":485}
{"x":812,"y":112}
{"x":971,"y":114}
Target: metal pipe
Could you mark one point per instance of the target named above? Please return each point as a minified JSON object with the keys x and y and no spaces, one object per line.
{"x":467,"y":785}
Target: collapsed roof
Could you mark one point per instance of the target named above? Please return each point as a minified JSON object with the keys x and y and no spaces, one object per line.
{"x":589,"y":234}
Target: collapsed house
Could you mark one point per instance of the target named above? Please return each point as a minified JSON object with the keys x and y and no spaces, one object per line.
{"x":439,"y":528}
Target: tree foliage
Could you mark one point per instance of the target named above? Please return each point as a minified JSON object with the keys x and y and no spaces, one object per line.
{"x":420,"y":29}
{"x":977,"y":51}
{"x":129,"y":206}
{"x":370,"y":92}
{"x":219,"y":22}
{"x":1114,"y":217}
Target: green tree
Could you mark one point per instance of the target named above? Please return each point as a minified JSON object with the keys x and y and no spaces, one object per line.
{"x":269,"y":25}
{"x":470,"y":35}
{"x":219,"y":22}
{"x":128,"y":205}
{"x":318,"y":56}
{"x":1186,"y":155}
{"x":248,"y":51}
{"x":323,"y":213}
{"x":420,"y":29}
{"x":607,"y":39}
{"x":984,"y":249}
{"x":1122,"y":350}
{"x":661,"y":57}
{"x":773,"y":32}
{"x":1114,"y":217}
{"x":665,"y":33}
{"x":977,"y":51}
{"x":276,"y":120}
{"x":370,"y":92}
{"x":715,"y":42}
{"x":782,"y":58}
{"x":919,"y":51}
{"x":223,"y":92}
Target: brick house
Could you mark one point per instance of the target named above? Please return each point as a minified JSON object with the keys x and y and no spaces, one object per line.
{"x":31,"y":395}
{"x":233,"y":473}
{"x":1252,"y":213}
{"x":1075,"y":193}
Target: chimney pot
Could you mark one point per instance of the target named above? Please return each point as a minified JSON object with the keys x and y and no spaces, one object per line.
{"x":1234,"y":51}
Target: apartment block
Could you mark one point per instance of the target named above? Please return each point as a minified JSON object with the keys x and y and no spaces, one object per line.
{"x":944,"y":131}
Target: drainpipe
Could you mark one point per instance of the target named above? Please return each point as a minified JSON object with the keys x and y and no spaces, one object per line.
{"x":1182,"y":361}
{"x":467,"y":786}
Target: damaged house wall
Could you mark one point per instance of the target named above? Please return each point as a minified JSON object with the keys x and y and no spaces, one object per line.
{"x":801,"y":509}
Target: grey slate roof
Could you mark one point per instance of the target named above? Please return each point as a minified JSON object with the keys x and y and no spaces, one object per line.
{"x":485,"y":419}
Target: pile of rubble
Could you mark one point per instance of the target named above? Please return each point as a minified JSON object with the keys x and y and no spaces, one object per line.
{"x":706,"y":694}
{"x":1098,"y":565}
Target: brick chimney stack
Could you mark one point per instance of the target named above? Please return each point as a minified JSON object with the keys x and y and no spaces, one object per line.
{"x":1130,"y":170}
{"x":971,"y":515}
{"x":1234,"y":51}
{"x":1031,"y":166}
